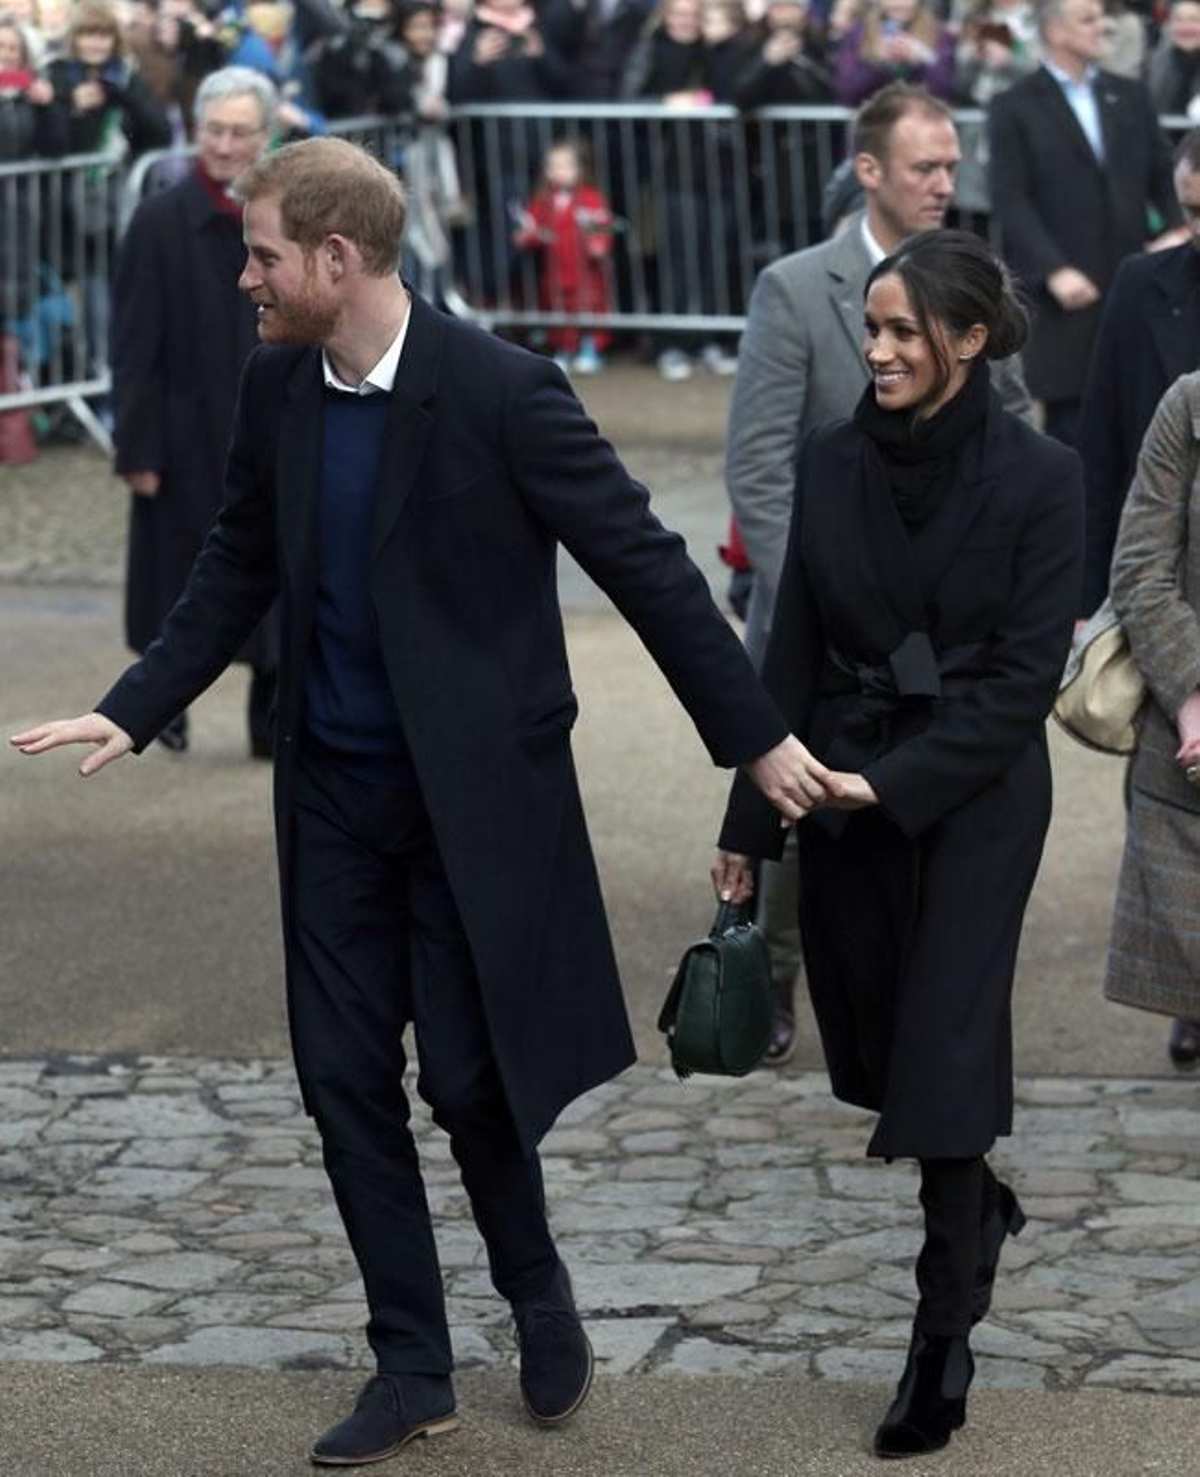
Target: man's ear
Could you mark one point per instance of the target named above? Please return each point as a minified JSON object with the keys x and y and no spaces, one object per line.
{"x":339,"y":253}
{"x":868,"y":171}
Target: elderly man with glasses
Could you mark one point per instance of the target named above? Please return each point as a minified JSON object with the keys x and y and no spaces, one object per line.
{"x":181,"y":333}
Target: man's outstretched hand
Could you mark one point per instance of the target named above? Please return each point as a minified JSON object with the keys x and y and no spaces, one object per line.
{"x":110,"y":741}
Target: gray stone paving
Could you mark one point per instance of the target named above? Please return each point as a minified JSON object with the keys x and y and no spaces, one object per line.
{"x":174,"y":1211}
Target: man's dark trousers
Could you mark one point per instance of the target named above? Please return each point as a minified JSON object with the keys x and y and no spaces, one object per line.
{"x":379,"y":943}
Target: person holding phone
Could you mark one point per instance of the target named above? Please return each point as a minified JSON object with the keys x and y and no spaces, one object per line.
{"x":896,"y":41}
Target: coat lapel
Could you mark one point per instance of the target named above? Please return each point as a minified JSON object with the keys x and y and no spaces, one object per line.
{"x":848,"y":268}
{"x":1065,"y":116}
{"x":410,"y":419}
{"x":1108,"y":106}
{"x":298,"y":467}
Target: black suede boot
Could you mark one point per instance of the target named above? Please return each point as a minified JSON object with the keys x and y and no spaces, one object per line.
{"x":931,"y":1399}
{"x":1004,"y":1218}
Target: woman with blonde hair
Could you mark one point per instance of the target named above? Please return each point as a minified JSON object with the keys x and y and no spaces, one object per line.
{"x":895,"y":41}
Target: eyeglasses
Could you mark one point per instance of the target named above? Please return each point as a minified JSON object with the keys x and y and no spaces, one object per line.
{"x":238,"y":132}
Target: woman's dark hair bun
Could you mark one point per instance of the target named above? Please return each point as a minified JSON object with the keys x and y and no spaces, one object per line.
{"x":956,"y":279}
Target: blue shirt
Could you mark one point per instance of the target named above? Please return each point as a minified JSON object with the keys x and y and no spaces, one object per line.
{"x":1081,"y":99}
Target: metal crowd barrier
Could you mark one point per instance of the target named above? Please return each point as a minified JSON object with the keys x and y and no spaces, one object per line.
{"x":58,"y":234}
{"x":700,"y":200}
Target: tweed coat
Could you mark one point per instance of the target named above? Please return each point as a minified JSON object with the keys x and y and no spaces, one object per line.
{"x":1154,"y":956}
{"x":927,"y":660}
{"x":800,"y":366}
{"x":489,"y":464}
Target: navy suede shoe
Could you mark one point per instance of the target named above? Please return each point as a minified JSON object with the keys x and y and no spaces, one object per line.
{"x":556,"y":1358}
{"x":392,"y":1410}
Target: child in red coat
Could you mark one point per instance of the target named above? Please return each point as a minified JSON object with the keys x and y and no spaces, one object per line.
{"x":569,"y":223}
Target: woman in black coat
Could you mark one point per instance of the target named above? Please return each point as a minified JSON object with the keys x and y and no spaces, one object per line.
{"x":927,"y":603}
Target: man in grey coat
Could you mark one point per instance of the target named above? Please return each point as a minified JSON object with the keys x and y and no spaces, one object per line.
{"x":801,"y":365}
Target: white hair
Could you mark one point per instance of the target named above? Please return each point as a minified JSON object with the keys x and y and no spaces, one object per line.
{"x":238,"y":82}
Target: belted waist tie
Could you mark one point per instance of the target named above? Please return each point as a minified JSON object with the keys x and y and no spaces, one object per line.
{"x":866,"y":697}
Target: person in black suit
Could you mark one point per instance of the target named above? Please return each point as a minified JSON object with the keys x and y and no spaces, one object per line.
{"x":402,"y":481}
{"x":1078,"y":163}
{"x":1149,"y":336}
{"x":925,"y":611}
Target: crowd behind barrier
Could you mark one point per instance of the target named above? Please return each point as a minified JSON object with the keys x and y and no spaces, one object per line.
{"x":692,"y":203}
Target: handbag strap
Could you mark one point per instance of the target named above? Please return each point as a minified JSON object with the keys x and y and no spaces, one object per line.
{"x":729,"y":915}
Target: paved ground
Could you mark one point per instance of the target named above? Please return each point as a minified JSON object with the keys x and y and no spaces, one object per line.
{"x":175,"y":1296}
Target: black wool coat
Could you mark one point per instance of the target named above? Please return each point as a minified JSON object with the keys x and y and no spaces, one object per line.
{"x":1149,"y":336}
{"x":911,"y":911}
{"x":181,"y":333}
{"x":1059,"y":206}
{"x":490,"y":463}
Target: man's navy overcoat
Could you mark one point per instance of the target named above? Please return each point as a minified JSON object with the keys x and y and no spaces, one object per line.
{"x":490,"y":463}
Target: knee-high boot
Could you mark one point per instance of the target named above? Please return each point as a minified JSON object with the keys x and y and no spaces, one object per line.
{"x":1001,"y":1216}
{"x":931,"y":1399}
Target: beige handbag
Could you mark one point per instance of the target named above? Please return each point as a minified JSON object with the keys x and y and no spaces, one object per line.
{"x":1102,"y":693}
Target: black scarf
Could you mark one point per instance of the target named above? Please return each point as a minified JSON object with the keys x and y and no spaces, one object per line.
{"x":915,"y":459}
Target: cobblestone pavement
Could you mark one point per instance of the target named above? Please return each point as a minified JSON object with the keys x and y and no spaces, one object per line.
{"x":174,"y":1211}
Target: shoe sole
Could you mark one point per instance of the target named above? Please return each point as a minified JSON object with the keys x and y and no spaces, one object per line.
{"x":442,"y":1426}
{"x":557,"y":1420}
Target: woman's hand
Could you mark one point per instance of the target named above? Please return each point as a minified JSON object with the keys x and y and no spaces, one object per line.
{"x":733,"y":877}
{"x":848,"y":791}
{"x":1187,"y":721}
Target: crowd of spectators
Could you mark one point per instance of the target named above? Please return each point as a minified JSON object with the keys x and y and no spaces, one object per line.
{"x":122,"y":75}
{"x":132,"y":66}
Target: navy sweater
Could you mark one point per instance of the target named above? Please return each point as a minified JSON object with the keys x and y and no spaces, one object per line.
{"x":350,"y":709}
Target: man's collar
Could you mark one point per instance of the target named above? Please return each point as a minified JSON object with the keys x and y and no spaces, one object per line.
{"x":1064,"y":79}
{"x":874,"y":250}
{"x":380,"y":380}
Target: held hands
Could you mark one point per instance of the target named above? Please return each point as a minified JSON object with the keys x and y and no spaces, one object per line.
{"x":796,"y":782}
{"x":791,"y":778}
{"x":92,"y":728}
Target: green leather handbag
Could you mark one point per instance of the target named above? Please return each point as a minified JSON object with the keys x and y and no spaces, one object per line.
{"x":718,"y":1011}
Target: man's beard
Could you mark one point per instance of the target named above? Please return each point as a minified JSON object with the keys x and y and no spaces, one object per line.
{"x":304,"y":320}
